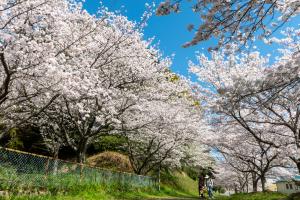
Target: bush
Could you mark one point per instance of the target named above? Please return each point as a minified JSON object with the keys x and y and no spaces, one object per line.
{"x":219,"y":189}
{"x":193,"y":173}
{"x":295,"y":196}
{"x":109,"y":143}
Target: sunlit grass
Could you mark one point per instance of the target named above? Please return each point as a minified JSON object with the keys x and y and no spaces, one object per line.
{"x":180,"y":186}
{"x":254,"y":196}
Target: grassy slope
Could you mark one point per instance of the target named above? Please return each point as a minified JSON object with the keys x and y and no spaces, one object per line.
{"x":175,"y":184}
{"x":179,"y":185}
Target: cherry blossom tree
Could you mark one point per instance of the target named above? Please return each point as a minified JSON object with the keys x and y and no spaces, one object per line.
{"x":33,"y":36}
{"x":251,"y":156}
{"x":161,"y":129}
{"x":28,"y":46}
{"x":78,"y":77}
{"x":265,"y":96}
{"x":236,"y":102}
{"x":229,"y":21}
{"x":88,"y":69}
{"x":231,"y":179}
{"x":276,"y":98}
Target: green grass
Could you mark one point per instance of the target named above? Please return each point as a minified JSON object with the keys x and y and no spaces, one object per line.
{"x":70,"y":181}
{"x":38,"y":186}
{"x":254,"y":196}
{"x":103,"y":193}
{"x":179,"y":183}
{"x":174,"y":185}
{"x":68,"y":187}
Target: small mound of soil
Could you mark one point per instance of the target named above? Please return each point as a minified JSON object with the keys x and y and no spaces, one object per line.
{"x":111,"y":160}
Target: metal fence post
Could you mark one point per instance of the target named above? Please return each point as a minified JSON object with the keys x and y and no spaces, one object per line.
{"x":159,"y":178}
{"x":47,"y":168}
{"x":81,"y":172}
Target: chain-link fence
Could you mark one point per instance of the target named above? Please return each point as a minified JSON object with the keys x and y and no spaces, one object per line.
{"x":31,"y":171}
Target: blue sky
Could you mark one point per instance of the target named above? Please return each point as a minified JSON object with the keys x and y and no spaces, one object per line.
{"x":170,"y":31}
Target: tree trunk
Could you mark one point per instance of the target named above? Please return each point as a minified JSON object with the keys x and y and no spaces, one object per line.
{"x":254,"y":182}
{"x":263,"y":183}
{"x":296,"y":161}
{"x":81,"y":152}
{"x":6,"y":79}
{"x":247,"y":183}
{"x":254,"y":185}
{"x":81,"y":157}
{"x":247,"y":187}
{"x":159,"y":178}
{"x":296,"y":158}
{"x":55,"y":164}
{"x":298,"y":165}
{"x":235,"y":189}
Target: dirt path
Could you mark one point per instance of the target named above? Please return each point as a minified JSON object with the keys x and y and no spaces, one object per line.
{"x":192,"y":198}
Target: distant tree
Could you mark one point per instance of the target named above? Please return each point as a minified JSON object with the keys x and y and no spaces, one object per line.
{"x":231,"y":178}
{"x":244,"y":88}
{"x":251,"y":156}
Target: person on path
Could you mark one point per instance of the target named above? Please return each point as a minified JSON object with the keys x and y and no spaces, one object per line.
{"x":201,"y":185}
{"x":209,"y":185}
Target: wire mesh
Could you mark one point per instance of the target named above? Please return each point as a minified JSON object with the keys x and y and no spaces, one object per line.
{"x":20,"y":169}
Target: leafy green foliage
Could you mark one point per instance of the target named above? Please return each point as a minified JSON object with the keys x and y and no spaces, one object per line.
{"x":191,"y":172}
{"x":15,"y":141}
{"x":174,"y":78}
{"x":295,"y":196}
{"x":109,"y":143}
{"x":209,"y":171}
{"x":26,"y":138}
{"x":219,"y":189}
